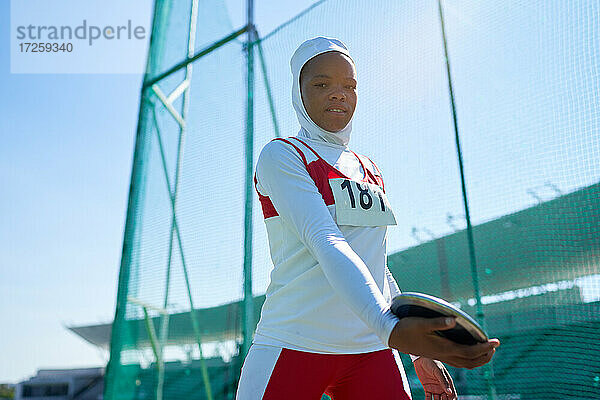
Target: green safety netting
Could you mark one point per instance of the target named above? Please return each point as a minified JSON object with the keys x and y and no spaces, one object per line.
{"x":524,"y":258}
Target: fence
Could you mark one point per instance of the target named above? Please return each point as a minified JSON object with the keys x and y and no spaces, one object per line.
{"x":517,"y":246}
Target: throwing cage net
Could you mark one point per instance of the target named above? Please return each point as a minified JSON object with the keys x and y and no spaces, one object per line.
{"x":484,"y":119}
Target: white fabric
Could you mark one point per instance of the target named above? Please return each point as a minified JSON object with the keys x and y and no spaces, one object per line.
{"x":325,"y":293}
{"x":394,"y":289}
{"x":256,"y":372}
{"x":307,"y":50}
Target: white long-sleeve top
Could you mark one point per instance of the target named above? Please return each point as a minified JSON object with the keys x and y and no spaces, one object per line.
{"x":330,"y":288}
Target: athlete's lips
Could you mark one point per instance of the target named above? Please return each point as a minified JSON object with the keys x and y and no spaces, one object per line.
{"x":337,"y":109}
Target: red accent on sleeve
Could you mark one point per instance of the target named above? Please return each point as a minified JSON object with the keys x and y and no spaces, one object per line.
{"x":267,"y":206}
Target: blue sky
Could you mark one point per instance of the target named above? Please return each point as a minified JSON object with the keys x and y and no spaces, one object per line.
{"x":526,"y":93}
{"x":65,"y":162}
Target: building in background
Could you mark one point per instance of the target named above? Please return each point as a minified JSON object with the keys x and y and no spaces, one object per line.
{"x":63,"y":384}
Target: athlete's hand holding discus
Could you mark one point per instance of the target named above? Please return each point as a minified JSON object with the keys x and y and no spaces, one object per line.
{"x":418,"y":336}
{"x":414,"y":335}
{"x":433,"y":328}
{"x":437,"y":330}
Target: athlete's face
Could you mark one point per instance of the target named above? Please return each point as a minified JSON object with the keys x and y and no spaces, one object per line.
{"x":328,"y":88}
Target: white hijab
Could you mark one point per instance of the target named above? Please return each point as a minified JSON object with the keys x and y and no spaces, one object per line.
{"x":305,"y":52}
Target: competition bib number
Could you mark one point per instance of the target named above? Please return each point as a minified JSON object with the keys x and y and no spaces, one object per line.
{"x":360,"y":203}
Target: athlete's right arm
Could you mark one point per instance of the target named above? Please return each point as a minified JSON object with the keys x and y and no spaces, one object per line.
{"x":283,"y":177}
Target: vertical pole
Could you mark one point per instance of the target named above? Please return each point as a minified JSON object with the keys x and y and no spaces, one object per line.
{"x":263,"y":67}
{"x":488,"y":369}
{"x":112,"y":388}
{"x":247,"y":315}
{"x":184,"y":109}
{"x":195,"y":325}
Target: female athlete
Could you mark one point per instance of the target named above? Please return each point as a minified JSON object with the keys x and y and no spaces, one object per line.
{"x":326,"y":324}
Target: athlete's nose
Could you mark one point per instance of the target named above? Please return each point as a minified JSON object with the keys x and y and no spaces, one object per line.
{"x":337,"y":94}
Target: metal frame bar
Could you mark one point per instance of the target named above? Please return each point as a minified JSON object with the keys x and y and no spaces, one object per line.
{"x":157,"y":350}
{"x":163,"y":99}
{"x":155,"y":343}
{"x":488,"y":368}
{"x":149,"y":306}
{"x":136,"y":189}
{"x":263,"y":67}
{"x":472,"y":258}
{"x":297,"y":16}
{"x":181,"y":88}
{"x":195,"y":326}
{"x":248,"y":314}
{"x":189,"y":60}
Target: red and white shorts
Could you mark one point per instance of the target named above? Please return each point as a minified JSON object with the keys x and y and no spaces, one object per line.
{"x":275,"y":373}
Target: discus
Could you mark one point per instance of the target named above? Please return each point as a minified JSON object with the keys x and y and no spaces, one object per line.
{"x":466,"y":331}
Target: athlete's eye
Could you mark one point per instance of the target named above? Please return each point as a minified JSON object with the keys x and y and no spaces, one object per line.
{"x":353,"y":87}
{"x":320,"y":85}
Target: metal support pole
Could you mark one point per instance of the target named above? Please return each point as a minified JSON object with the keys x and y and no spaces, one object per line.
{"x":197,"y":56}
{"x":488,"y":369}
{"x":184,"y":111}
{"x":136,"y":190}
{"x":195,"y":325}
{"x":182,"y":130}
{"x":263,"y":67}
{"x":157,"y":348}
{"x":247,"y":315}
